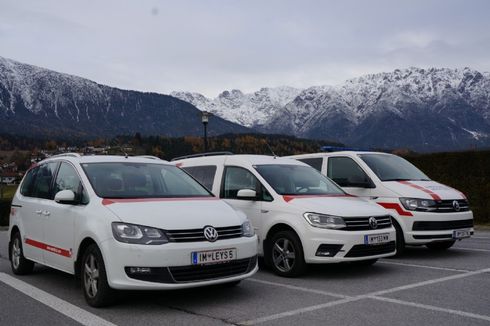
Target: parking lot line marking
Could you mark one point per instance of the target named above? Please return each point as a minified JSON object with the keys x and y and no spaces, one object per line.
{"x":433,"y":308}
{"x":79,"y":315}
{"x":359,"y":297}
{"x":298,"y":311}
{"x":473,"y":249}
{"x":429,"y":282}
{"x":424,"y":266}
{"x":299,"y":288}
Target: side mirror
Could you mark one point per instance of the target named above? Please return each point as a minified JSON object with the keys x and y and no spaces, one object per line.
{"x":246,"y":194}
{"x":65,"y":197}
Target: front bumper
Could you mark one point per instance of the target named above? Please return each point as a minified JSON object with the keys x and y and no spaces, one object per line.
{"x":118,"y":257}
{"x":423,"y":228}
{"x":350,"y":245}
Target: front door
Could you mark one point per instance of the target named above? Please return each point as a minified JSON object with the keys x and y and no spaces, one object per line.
{"x":61,"y":223}
{"x":238,"y":178}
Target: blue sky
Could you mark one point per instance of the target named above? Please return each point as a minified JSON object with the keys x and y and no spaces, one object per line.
{"x":209,"y":46}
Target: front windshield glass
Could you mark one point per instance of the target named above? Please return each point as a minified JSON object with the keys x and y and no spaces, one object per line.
{"x":297,"y":180}
{"x":141,"y":180}
{"x":393,"y":168}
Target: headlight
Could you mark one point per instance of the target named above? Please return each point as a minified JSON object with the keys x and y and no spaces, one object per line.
{"x":247,"y":229}
{"x":415,"y":204}
{"x":138,"y":234}
{"x":325,"y":221}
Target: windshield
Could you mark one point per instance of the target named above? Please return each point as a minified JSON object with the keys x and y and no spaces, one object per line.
{"x":141,"y":180}
{"x":297,"y":180}
{"x":393,"y":168}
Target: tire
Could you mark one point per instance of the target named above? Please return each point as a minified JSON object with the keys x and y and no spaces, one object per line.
{"x":93,"y":277}
{"x":19,"y":264}
{"x":284,"y":254}
{"x":368,"y":262}
{"x":440,"y":245}
{"x":400,"y":239}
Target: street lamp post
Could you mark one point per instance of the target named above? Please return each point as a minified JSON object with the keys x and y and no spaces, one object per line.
{"x":205,"y":119}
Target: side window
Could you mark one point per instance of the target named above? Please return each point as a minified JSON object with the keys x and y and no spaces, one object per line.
{"x":28,"y":183}
{"x":237,"y":178}
{"x":67,"y":179}
{"x":347,"y":173}
{"x":44,"y":178}
{"x":204,"y":174}
{"x":315,"y":162}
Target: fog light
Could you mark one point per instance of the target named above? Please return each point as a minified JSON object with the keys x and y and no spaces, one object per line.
{"x":328,"y":250}
{"x":139,"y":270}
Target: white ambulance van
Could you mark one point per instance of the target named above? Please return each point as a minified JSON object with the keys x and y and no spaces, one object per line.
{"x":425,"y":212}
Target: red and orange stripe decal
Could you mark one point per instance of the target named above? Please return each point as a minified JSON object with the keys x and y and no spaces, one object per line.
{"x":397,"y":208}
{"x":53,"y":249}
{"x":427,"y":191}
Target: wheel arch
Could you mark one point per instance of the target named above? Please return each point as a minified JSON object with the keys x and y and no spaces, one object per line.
{"x":86,"y":242}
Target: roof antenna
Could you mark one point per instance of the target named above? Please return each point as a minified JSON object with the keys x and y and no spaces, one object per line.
{"x":270,"y":149}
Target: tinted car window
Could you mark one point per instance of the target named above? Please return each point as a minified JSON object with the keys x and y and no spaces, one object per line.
{"x":141,"y":180}
{"x":297,"y":180}
{"x":28,"y":183}
{"x":315,"y":163}
{"x":347,"y":173}
{"x":204,"y":174}
{"x":392,"y":168}
{"x":43,"y":181}
{"x":237,"y":178}
{"x":68,"y":179}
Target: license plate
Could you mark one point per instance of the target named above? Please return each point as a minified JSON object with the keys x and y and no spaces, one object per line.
{"x":461,"y":234}
{"x":374,"y":239}
{"x":213,"y":256}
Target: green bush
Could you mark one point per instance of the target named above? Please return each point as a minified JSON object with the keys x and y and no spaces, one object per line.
{"x":468,"y":172}
{"x":4,"y":212}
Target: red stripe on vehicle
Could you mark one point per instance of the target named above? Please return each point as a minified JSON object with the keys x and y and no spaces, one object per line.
{"x":288,"y":198}
{"x":427,"y":191}
{"x":397,"y":208}
{"x":110,"y":201}
{"x":179,"y":164}
{"x":53,"y":249}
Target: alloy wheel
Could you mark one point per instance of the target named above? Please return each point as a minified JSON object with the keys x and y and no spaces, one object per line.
{"x":283,"y":255}
{"x":91,"y":276}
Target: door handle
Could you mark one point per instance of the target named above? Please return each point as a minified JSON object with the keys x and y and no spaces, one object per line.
{"x":46,"y":213}
{"x":264,"y":211}
{"x":39,"y":212}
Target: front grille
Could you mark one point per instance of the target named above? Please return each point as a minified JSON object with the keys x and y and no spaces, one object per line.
{"x":194,"y":273}
{"x":371,"y":250}
{"x":362,"y":223}
{"x":194,"y":235}
{"x":442,"y":225}
{"x":446,"y":206}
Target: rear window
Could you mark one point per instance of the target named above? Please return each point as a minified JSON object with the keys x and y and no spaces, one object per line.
{"x":141,"y":180}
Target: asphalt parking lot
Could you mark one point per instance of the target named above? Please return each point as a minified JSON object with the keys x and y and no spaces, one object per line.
{"x":420,"y":288}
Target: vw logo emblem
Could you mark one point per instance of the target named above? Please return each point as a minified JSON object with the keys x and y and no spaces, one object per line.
{"x":210,"y":234}
{"x":373,"y":223}
{"x":456,"y":206}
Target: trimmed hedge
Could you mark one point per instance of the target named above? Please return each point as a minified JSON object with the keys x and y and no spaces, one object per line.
{"x":469,"y":172}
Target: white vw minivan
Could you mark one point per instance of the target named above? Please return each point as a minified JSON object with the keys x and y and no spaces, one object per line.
{"x":127,"y":223}
{"x":426,"y":212}
{"x":299,"y":215}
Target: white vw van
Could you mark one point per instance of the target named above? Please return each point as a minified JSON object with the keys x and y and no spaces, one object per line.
{"x":127,"y":223}
{"x":425,"y":211}
{"x":299,"y":215}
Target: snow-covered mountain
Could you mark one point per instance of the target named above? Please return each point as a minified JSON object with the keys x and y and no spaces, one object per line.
{"x":249,"y":110}
{"x":422,"y":109}
{"x":40,"y":102}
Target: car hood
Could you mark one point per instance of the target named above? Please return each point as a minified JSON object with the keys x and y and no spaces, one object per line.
{"x":175,"y":214}
{"x":423,"y":190}
{"x":346,"y":206}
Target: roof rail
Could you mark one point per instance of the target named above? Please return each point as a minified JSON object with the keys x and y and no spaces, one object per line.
{"x":339,"y":149}
{"x":151,"y":157}
{"x":201,"y":155}
{"x":66,"y":154}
